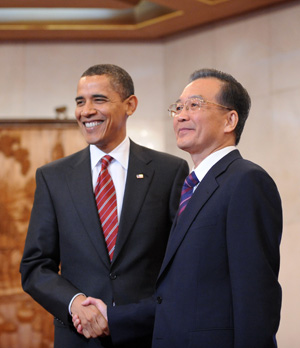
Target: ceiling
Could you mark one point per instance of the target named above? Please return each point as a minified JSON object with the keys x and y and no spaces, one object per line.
{"x":115,"y":19}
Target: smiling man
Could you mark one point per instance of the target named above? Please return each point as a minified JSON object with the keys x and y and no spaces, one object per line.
{"x":101,"y":217}
{"x":102,"y":110}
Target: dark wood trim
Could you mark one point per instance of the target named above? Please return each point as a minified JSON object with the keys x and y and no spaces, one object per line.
{"x":17,"y":123}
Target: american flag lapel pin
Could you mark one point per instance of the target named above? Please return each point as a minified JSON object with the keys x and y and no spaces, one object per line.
{"x":140,"y":176}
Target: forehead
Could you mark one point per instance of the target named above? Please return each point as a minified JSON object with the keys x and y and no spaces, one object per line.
{"x":208,"y":88}
{"x":95,"y":83}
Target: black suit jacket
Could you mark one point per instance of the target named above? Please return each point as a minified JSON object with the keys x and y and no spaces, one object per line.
{"x":65,"y":234}
{"x":218,"y":285}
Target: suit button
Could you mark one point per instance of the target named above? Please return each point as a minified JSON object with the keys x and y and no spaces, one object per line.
{"x":113,"y":276}
{"x":159,"y":300}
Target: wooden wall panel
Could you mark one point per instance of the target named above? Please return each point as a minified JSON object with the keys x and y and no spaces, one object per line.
{"x":24,"y":146}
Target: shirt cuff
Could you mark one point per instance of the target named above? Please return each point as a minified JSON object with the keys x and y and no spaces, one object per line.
{"x":70,"y":304}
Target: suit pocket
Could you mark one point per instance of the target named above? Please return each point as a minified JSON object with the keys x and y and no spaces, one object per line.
{"x":216,"y":338}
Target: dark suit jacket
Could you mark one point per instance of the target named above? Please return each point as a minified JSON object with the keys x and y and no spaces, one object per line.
{"x":218,"y":285}
{"x":65,"y":233}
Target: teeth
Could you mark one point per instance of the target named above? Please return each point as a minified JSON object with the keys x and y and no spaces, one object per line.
{"x":92,"y":124}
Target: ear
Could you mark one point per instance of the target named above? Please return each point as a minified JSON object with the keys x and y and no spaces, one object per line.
{"x":131,"y":104}
{"x":231,"y":121}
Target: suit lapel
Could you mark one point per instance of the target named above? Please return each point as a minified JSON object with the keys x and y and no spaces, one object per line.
{"x":80,"y":184}
{"x":139,"y":177}
{"x":180,"y":228}
{"x":204,"y":191}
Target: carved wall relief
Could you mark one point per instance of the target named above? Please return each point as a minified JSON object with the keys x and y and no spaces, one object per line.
{"x":23,"y":148}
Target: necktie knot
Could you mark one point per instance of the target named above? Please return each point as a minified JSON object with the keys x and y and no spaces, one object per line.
{"x":187,"y":190}
{"x":105,"y":161}
{"x":191,"y":180}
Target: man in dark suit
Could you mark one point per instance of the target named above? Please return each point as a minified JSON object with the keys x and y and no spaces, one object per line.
{"x":218,"y":284}
{"x":65,"y":257}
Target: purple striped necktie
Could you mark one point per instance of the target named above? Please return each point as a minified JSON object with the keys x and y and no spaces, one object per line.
{"x":106,"y":200}
{"x":187,"y":190}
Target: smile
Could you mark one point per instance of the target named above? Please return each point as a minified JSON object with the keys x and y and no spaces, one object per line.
{"x":184,"y":130}
{"x":92,"y":124}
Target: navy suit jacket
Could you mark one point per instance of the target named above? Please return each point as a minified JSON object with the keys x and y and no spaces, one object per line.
{"x":218,"y":284}
{"x":65,"y":233}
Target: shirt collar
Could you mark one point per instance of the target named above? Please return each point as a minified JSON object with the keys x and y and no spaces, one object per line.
{"x":120,"y":154}
{"x":208,"y":162}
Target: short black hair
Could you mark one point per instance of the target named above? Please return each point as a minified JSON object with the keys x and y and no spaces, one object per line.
{"x":232,"y":94}
{"x":120,"y":80}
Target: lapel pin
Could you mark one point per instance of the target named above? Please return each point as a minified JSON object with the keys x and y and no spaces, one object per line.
{"x":140,"y":176}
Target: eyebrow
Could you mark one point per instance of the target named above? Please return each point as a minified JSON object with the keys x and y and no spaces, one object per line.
{"x":191,"y":97}
{"x":93,"y":96}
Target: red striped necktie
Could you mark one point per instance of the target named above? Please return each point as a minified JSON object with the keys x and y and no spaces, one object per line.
{"x":106,"y":199}
{"x":187,"y":190}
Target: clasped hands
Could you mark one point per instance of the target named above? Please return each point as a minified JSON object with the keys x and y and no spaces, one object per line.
{"x":89,"y":316}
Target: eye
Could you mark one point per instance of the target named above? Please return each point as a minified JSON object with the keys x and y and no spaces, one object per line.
{"x":178,"y":107}
{"x":79,"y":102}
{"x":195,"y":104}
{"x":100,"y":100}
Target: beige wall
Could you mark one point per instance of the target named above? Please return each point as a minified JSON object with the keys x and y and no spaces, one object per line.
{"x":38,"y":77}
{"x":261,"y":50}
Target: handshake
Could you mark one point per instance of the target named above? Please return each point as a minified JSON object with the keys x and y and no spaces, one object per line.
{"x":89,"y":317}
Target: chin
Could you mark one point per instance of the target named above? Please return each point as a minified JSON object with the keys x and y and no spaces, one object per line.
{"x":91,"y":140}
{"x":181,"y":145}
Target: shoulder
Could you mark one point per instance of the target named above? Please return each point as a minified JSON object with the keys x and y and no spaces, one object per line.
{"x":234,"y":164}
{"x":246,"y":167}
{"x":67,"y":161}
{"x":244,"y":174}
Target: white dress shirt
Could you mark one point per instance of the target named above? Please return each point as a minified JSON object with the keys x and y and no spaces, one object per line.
{"x":118,"y":168}
{"x":208,"y":162}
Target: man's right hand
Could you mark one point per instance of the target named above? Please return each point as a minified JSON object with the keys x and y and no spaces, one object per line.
{"x":88,"y":319}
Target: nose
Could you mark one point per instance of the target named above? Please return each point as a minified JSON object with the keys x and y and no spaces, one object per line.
{"x":184,"y":114}
{"x":87,"y":110}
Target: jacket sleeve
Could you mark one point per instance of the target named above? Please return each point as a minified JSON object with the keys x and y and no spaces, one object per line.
{"x":131,"y":322}
{"x":41,"y":258}
{"x":254,"y":227}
